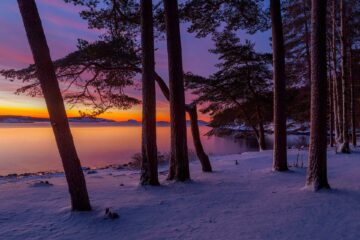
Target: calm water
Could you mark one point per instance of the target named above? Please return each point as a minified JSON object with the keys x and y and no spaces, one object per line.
{"x":32,"y":148}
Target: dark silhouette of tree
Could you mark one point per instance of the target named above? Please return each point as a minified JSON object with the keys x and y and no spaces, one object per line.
{"x":353,"y":22}
{"x":280,"y":142}
{"x":344,"y":77}
{"x":149,"y":171}
{"x":59,"y":122}
{"x":97,"y":75}
{"x":191,"y":109}
{"x":208,"y":17}
{"x":297,"y":30}
{"x":237,"y":92}
{"x":179,"y":163}
{"x":317,"y":169}
{"x":336,"y":80}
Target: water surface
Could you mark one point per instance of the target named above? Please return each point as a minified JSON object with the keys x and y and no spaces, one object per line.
{"x":30,"y":147}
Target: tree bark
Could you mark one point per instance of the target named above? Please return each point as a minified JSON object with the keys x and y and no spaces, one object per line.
{"x":179,"y":166}
{"x":149,"y":164}
{"x":344,"y":78}
{"x":202,"y":156}
{"x":317,"y":170}
{"x":280,"y":144}
{"x":336,"y":84}
{"x":307,"y":42}
{"x":331,"y":103}
{"x":353,"y":97}
{"x":55,"y":105}
{"x":261,"y":139}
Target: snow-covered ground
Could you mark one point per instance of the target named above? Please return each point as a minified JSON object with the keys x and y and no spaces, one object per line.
{"x":238,"y":201}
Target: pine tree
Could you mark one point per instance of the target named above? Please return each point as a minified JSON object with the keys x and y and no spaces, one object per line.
{"x":208,"y":17}
{"x":54,"y":102}
{"x":280,"y":137}
{"x":179,"y":163}
{"x":149,"y":171}
{"x":239,"y":90}
{"x":297,"y":30}
{"x":317,"y":170}
{"x":344,"y":76}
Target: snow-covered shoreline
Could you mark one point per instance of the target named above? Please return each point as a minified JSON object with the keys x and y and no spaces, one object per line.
{"x":242,"y":199}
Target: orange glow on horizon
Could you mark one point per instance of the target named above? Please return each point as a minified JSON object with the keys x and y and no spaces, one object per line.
{"x":134,"y":114}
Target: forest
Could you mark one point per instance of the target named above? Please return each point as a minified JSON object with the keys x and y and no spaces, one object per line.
{"x":309,"y":76}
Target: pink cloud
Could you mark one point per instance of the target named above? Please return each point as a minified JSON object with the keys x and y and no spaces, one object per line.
{"x":61,"y":5}
{"x":12,"y":54}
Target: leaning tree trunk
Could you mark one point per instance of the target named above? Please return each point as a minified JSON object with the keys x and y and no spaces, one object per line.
{"x":203,"y":157}
{"x":280,"y":145}
{"x":317,"y":170}
{"x":192,"y":111}
{"x":149,"y":164}
{"x":55,"y":105}
{"x":179,"y":166}
{"x":344,"y":78}
{"x":353,"y":97}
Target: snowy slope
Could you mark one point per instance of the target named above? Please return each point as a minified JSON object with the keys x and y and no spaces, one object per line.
{"x":244,"y":201}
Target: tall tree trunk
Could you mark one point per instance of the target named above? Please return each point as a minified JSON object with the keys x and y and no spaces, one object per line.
{"x":344,"y":78}
{"x":55,"y":105}
{"x":280,"y":145}
{"x":317,"y":170}
{"x":179,"y":166}
{"x":192,"y":111}
{"x":307,"y":42}
{"x":331,"y":103}
{"x":149,"y":171}
{"x":353,"y":97}
{"x":337,"y":86}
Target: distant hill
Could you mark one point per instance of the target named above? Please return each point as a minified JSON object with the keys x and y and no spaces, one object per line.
{"x":21,"y":119}
{"x":25,"y":119}
{"x":130,"y":122}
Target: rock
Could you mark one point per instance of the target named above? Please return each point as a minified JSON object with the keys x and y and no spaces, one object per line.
{"x":91,"y":172}
{"x":111,"y":215}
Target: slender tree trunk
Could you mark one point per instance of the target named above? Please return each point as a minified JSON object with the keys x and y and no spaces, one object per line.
{"x":280,"y":145}
{"x":179,"y":166}
{"x":261,"y":139}
{"x":353,"y":97}
{"x":55,"y":105}
{"x":203,"y":157}
{"x":337,"y":84}
{"x":192,"y":111}
{"x":149,"y":171}
{"x":307,"y":42}
{"x":317,"y":170}
{"x":345,"y":78}
{"x":331,"y":103}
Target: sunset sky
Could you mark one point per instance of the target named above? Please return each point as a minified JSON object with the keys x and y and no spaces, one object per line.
{"x":63,"y":27}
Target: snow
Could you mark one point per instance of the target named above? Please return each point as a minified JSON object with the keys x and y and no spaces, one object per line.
{"x":293,"y":127}
{"x":238,"y":201}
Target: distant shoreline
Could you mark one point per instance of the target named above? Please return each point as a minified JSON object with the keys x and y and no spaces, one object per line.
{"x":28,"y":120}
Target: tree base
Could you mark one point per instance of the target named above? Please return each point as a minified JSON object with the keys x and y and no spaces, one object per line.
{"x":344,"y":148}
{"x":315,"y":187}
